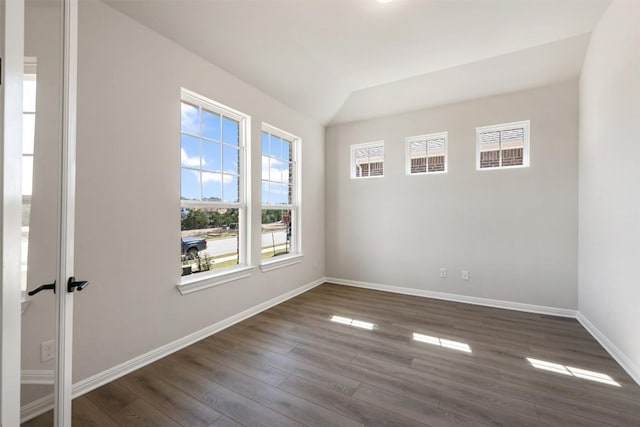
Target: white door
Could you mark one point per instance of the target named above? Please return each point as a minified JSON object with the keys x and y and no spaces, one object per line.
{"x":43,"y":160}
{"x":11,"y":52}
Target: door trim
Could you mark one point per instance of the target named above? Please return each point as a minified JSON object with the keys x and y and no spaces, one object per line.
{"x":64,"y":299}
{"x":12,"y":17}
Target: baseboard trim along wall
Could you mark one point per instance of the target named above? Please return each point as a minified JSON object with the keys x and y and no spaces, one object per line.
{"x":627,"y":364}
{"x":44,"y":404}
{"x":509,"y":305}
{"x":44,"y":376}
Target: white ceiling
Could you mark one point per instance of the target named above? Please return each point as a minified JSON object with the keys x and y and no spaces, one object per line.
{"x":343,"y":60}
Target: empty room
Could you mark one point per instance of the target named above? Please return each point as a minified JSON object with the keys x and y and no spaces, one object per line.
{"x":320,"y":213}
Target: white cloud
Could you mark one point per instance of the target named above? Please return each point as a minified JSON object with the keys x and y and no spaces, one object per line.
{"x":215,"y":177}
{"x":189,"y":117}
{"x":279,"y":173}
{"x":192,"y":162}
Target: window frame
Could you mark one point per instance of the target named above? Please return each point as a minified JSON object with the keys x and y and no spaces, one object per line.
{"x":419,"y":138}
{"x":295,"y":255}
{"x":192,"y":283}
{"x":525,"y":125}
{"x":352,"y":166}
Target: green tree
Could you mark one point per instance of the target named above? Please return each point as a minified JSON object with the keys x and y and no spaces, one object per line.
{"x":194,"y":219}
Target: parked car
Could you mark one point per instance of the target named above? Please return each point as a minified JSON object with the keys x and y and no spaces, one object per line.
{"x":192,"y":245}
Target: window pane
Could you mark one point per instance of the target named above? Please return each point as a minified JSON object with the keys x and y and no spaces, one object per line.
{"x":436,"y":154}
{"x":190,"y":151}
{"x":279,"y":194}
{"x":286,"y":150}
{"x":490,"y":149}
{"x":28,"y":132}
{"x":512,"y":145}
{"x":265,"y":192}
{"x":229,"y":131}
{"x":27,"y":175}
{"x":276,"y":171}
{"x":189,"y":118}
{"x":265,"y":168}
{"x":361,"y":157}
{"x":189,"y":184}
{"x":209,"y":239}
{"x":276,"y":232}
{"x":230,"y":159}
{"x":210,"y":125}
{"x":265,"y":144}
{"x":230,"y":190}
{"x":368,"y":160}
{"x":211,"y":186}
{"x":418,"y":155}
{"x":276,"y":146}
{"x":211,"y":156}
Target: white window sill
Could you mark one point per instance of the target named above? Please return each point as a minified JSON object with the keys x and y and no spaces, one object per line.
{"x":199,"y":281}
{"x":494,"y":168}
{"x":280,"y":262}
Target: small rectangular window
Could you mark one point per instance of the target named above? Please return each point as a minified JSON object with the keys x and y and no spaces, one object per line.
{"x":280,"y":191}
{"x":367,"y":160}
{"x":426,"y":153}
{"x":502,"y":146}
{"x":213,"y":165}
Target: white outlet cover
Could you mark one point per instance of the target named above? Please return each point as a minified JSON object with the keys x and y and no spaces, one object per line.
{"x":443,"y":272}
{"x":465,"y":275}
{"x":47,"y":350}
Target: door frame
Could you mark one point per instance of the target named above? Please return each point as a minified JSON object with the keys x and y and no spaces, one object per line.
{"x":12,"y":52}
{"x":12,"y":15}
{"x":63,"y":381}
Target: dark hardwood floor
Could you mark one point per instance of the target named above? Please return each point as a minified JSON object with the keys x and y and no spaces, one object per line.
{"x":292,"y":365}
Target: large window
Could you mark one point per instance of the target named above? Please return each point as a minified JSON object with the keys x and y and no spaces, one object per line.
{"x":426,"y":153}
{"x":502,"y":146}
{"x":212,"y":189}
{"x":280,"y":193}
{"x":367,"y":160}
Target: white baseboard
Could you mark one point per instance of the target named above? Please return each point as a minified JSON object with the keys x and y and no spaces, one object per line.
{"x":509,"y":305}
{"x":627,"y":364}
{"x":35,"y":408}
{"x":28,"y":376}
{"x":44,"y":404}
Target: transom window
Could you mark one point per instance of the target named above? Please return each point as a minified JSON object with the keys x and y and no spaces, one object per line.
{"x":280,"y":193}
{"x":502,"y":146}
{"x":426,"y":153}
{"x":212,"y":185}
{"x":367,"y":160}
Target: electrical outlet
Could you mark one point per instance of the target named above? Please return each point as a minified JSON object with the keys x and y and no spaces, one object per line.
{"x":47,"y":350}
{"x":315,"y":263}
{"x":443,"y":273}
{"x":465,"y":275}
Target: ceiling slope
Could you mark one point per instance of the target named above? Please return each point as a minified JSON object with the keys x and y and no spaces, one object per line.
{"x":313,"y":54}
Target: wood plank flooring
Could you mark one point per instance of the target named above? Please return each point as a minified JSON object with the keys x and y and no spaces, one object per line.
{"x":292,"y":366}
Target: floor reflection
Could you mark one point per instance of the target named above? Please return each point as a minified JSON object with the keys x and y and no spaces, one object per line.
{"x":454,"y":345}
{"x":353,"y":322}
{"x":571,"y":371}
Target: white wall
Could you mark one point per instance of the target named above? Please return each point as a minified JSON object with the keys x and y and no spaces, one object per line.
{"x":514,"y":230}
{"x":609,"y":188}
{"x":128,"y":178}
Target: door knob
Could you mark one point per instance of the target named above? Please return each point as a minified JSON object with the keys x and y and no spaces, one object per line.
{"x":48,"y":286}
{"x":72,"y":284}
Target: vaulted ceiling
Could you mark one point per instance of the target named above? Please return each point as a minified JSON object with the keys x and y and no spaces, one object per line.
{"x":345,"y":60}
